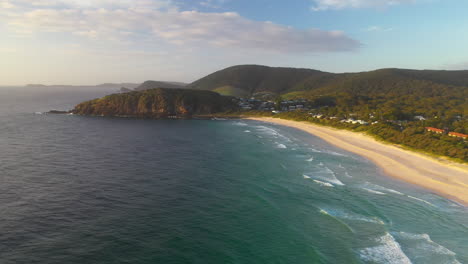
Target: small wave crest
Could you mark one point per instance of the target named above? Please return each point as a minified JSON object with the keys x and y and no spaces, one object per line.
{"x":321,"y":183}
{"x":268,"y":131}
{"x":373,"y":191}
{"x":353,"y":216}
{"x":315,"y":150}
{"x":379,"y":188}
{"x":421,"y":200}
{"x":324,"y":173}
{"x":280,"y":146}
{"x":246,"y":131}
{"x":238,"y":123}
{"x":336,"y":153}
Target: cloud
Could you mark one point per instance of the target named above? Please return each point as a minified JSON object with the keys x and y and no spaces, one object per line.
{"x":456,"y":66}
{"x":4,"y":4}
{"x":213,"y":3}
{"x":320,"y":5}
{"x":377,"y":29}
{"x":161,"y":22}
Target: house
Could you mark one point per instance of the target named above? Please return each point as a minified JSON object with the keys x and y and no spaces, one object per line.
{"x":362,"y":122}
{"x":435,"y":130}
{"x":458,"y":135}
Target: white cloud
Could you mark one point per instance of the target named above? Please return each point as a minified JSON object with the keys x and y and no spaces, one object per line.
{"x":320,"y":5}
{"x":456,"y":66}
{"x":378,"y":29}
{"x":5,"y":4}
{"x":213,"y":3}
{"x":161,"y":21}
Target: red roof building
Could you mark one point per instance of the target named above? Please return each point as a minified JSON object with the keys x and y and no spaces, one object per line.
{"x":435,"y":130}
{"x":458,"y":135}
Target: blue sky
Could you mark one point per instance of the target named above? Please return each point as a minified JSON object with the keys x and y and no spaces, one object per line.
{"x":95,"y":41}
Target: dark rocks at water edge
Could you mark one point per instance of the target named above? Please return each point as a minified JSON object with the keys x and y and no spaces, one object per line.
{"x":158,"y":103}
{"x":58,"y":112}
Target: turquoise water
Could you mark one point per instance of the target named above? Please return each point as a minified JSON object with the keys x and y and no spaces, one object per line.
{"x":107,"y":190}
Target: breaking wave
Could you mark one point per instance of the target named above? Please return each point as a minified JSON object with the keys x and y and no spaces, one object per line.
{"x":326,"y":174}
{"x":388,"y":251}
{"x":424,"y":249}
{"x":238,"y":123}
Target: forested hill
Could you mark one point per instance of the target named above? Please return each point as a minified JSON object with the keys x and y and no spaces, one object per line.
{"x":248,"y":80}
{"x":245,"y":80}
{"x":158,"y":103}
{"x":159,"y":84}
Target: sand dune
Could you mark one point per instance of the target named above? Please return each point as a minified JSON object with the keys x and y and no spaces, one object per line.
{"x":445,"y":178}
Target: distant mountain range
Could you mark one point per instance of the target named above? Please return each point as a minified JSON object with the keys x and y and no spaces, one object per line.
{"x":248,"y":80}
{"x":106,"y":85}
{"x":255,"y":80}
{"x":159,"y":84}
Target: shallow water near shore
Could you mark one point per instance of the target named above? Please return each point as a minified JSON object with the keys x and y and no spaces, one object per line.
{"x":114,"y":190}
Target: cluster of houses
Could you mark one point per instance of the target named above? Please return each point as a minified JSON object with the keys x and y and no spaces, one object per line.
{"x":348,"y":120}
{"x":290,"y":105}
{"x":446,"y":132}
{"x":303,"y":104}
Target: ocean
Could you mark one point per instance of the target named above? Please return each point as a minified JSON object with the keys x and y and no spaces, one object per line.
{"x":79,"y":189}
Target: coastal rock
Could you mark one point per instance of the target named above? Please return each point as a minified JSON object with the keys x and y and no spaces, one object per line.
{"x":158,"y":103}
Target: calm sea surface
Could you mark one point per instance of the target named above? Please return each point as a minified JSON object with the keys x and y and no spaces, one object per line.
{"x":107,"y":190}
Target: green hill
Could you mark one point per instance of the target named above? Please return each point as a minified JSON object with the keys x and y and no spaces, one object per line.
{"x":158,"y":84}
{"x":158,"y":103}
{"x":247,"y":80}
{"x":253,"y":79}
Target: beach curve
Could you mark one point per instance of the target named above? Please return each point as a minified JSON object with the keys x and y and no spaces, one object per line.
{"x":445,"y":178}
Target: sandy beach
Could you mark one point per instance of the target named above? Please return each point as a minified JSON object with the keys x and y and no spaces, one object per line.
{"x":445,"y":178}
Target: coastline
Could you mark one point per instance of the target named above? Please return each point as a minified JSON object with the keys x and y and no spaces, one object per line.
{"x":445,"y":178}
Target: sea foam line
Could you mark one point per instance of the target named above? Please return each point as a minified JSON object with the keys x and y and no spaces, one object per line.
{"x":421,"y":200}
{"x":353,"y":216}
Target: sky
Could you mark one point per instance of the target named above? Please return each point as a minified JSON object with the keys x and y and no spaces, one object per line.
{"x":98,"y":41}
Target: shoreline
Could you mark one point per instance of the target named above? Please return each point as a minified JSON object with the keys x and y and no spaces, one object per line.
{"x":445,"y":178}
